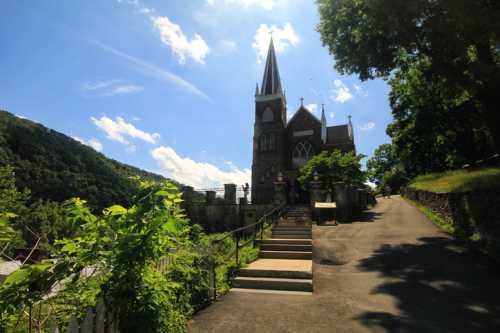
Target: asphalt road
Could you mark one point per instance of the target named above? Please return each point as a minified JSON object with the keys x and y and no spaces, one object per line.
{"x":390,"y":271}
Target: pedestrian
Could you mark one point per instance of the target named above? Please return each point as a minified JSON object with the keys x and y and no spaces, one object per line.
{"x":387,"y":190}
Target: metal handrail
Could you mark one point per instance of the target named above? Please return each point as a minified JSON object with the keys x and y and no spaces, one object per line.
{"x":259,"y":221}
{"x":258,"y":227}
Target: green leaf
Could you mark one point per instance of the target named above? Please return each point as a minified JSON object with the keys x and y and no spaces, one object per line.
{"x":115,"y":210}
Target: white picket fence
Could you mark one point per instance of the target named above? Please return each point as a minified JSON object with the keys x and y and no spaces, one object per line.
{"x":96,"y":320}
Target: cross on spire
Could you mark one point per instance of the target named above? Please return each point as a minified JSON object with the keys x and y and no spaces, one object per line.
{"x":271,"y":83}
{"x":302,"y":101}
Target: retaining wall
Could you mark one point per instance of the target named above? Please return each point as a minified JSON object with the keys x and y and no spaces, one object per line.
{"x":472,"y":212}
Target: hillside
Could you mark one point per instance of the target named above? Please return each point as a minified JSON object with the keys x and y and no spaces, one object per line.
{"x":56,"y":167}
{"x":458,"y":180}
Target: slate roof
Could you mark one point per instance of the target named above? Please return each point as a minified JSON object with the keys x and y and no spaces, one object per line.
{"x":337,"y":134}
{"x":271,"y":83}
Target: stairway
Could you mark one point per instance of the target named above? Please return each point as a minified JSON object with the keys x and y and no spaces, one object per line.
{"x":285,"y":260}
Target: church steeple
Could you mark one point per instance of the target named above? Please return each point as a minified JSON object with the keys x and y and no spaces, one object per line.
{"x":271,"y":83}
{"x":323,"y":124}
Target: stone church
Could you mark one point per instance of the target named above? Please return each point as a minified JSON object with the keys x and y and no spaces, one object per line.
{"x":281,"y":146}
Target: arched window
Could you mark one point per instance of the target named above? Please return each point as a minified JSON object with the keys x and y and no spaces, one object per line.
{"x":268,"y":115}
{"x":263,"y":142}
{"x":267,"y":142}
{"x":272,"y":142}
{"x":302,"y":153}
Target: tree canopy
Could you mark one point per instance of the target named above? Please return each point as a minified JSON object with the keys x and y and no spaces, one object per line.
{"x":442,"y":61}
{"x":333,"y":167}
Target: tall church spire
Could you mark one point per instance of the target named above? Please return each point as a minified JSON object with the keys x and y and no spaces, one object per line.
{"x":271,"y":83}
{"x":323,"y":124}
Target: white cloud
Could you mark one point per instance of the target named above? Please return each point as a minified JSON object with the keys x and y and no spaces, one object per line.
{"x":368,"y":126}
{"x":283,"y":38}
{"x":93,"y":143}
{"x":341,"y":93}
{"x":332,"y":115}
{"x":356,"y":87}
{"x":312,"y":107}
{"x":265,"y":4}
{"x":119,"y":129}
{"x":154,"y":71}
{"x":111,"y":87}
{"x":197,"y":174}
{"x":173,"y":36}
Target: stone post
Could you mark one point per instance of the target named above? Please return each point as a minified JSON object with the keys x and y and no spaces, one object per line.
{"x":316,"y":195}
{"x":315,"y":192}
{"x":230,"y":193}
{"x":279,"y":192}
{"x":341,"y":197}
{"x":210,"y":197}
{"x":187,"y":194}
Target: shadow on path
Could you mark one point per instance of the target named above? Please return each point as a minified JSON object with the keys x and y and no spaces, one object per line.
{"x":439,"y":287}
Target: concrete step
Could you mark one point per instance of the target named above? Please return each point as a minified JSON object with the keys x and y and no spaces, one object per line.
{"x":271,"y":273}
{"x":273,"y":283}
{"x":292,"y":232}
{"x":285,"y":254}
{"x":293,"y":226}
{"x":285,"y":247}
{"x":266,"y":291}
{"x":303,"y":236}
{"x":285,"y":241}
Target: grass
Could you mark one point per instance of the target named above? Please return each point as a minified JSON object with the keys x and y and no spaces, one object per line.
{"x":435,"y":218}
{"x":474,"y":241}
{"x":458,"y":181}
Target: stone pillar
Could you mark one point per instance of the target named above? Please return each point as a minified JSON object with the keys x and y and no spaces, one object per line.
{"x":187,"y":194}
{"x":210,"y":197}
{"x":230,"y":193}
{"x":341,"y":197}
{"x":279,"y":193}
{"x":315,"y":192}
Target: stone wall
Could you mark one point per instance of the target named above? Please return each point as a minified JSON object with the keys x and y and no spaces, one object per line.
{"x":473,"y":212}
{"x":350,"y":201}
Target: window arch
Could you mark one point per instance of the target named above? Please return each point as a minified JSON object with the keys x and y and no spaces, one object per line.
{"x":302,"y":153}
{"x":263,"y":142}
{"x":267,"y":142}
{"x":268,"y":115}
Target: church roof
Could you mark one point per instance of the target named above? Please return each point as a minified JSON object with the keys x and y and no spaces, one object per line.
{"x":271,"y":83}
{"x":337,"y":134}
{"x":303,"y":109}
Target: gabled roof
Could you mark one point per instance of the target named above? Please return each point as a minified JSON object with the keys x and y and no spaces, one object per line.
{"x":303,"y":109}
{"x":271,"y":83}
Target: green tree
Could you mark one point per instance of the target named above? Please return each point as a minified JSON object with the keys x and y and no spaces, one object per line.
{"x":122,"y":246}
{"x":383,"y":160}
{"x":457,"y":38}
{"x":12,"y":205}
{"x":384,"y":168}
{"x":434,"y":128}
{"x":333,"y":167}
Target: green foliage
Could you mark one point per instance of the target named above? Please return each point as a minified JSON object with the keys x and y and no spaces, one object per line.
{"x":458,"y":181}
{"x":333,"y":167}
{"x":442,"y":61}
{"x":55,"y":167}
{"x":436,"y":127}
{"x":385,"y":170}
{"x":114,"y":256}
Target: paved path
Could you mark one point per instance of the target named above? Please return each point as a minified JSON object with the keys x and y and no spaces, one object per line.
{"x":393,"y":271}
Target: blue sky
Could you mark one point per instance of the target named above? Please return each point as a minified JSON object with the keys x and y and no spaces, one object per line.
{"x":168,"y":86}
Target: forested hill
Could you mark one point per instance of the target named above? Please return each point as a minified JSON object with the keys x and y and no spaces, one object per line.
{"x":56,"y":167}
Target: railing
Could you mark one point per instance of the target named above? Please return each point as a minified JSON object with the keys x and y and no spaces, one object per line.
{"x":242,"y":237}
{"x":257,"y":229}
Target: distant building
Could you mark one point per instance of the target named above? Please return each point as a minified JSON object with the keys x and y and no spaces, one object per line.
{"x":285,"y":146}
